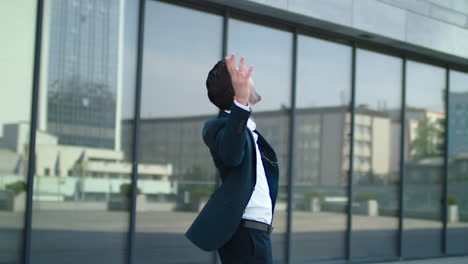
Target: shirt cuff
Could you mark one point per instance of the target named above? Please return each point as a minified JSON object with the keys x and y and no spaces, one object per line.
{"x":245,"y":107}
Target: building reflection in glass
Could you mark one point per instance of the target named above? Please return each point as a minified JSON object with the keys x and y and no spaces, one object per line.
{"x":321,"y":150}
{"x":424,"y":158}
{"x":174,"y":106}
{"x":457,"y":211}
{"x":16,"y":77}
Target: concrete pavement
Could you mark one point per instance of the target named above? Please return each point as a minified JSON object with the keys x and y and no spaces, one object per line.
{"x":448,"y":260}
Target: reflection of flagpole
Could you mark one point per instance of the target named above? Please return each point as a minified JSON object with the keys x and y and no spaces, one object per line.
{"x":80,"y":164}
{"x":82,"y":185}
{"x":57,"y":165}
{"x":109,"y":183}
{"x":19,"y":166}
{"x":34,"y":164}
{"x":38,"y":178}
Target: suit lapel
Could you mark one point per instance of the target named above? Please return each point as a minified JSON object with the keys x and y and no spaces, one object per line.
{"x":264,"y":144}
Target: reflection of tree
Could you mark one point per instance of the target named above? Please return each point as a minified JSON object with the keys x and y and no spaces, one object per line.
{"x":429,"y":139}
{"x":194,"y":184}
{"x":196,"y":174}
{"x":370,"y":179}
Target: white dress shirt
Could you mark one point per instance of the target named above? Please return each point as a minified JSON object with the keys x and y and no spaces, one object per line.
{"x":259,"y":206}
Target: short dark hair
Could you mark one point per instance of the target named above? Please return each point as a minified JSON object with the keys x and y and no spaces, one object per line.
{"x":219,"y":86}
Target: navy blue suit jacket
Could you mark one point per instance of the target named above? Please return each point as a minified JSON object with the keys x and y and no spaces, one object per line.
{"x":232,"y":147}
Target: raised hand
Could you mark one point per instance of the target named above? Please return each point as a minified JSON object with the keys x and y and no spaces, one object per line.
{"x":240,"y":78}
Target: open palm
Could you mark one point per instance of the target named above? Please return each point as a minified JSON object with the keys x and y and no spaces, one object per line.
{"x":240,"y":78}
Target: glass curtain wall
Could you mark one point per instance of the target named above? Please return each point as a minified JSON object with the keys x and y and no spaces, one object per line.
{"x":424,"y":160}
{"x":83,"y":163}
{"x":85,"y":129}
{"x":376,"y":157}
{"x":16,"y":79}
{"x":176,"y":174}
{"x":321,"y":150}
{"x":269,"y":50}
{"x":457,"y":212}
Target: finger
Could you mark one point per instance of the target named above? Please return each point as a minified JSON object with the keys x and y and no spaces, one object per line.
{"x":232,"y":64}
{"x":228,"y":64}
{"x":242,"y":65}
{"x":243,"y":70}
{"x":233,"y":60}
{"x":249,"y":72}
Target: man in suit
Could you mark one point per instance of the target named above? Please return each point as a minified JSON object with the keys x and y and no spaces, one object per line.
{"x":237,"y":219}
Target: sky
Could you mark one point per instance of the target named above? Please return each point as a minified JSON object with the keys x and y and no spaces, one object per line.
{"x":181,"y":46}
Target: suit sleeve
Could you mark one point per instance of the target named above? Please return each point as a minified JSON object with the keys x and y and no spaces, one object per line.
{"x":228,"y":141}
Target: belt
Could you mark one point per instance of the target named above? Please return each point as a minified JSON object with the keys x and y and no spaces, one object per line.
{"x":257,"y":225}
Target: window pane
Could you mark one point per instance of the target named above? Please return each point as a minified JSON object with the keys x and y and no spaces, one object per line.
{"x":425,"y":136}
{"x":458,"y":164}
{"x":269,"y":50}
{"x":176,"y":172}
{"x":376,"y":168}
{"x":321,"y":150}
{"x":80,"y":202}
{"x":18,"y":27}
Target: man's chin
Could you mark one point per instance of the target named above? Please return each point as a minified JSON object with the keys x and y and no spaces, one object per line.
{"x":254,"y":102}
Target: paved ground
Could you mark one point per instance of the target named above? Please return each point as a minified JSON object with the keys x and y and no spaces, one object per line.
{"x":451,"y":260}
{"x":101,"y":237}
{"x":178,"y":222}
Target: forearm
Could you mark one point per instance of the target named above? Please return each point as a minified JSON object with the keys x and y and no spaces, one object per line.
{"x":229,"y":142}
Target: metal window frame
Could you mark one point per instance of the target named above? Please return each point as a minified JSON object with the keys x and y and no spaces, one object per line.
{"x":352,"y":108}
{"x":136,"y":133}
{"x":291,"y":148}
{"x":26,"y":258}
{"x":446,"y":168}
{"x":443,"y":220}
{"x":399,"y":230}
{"x":402,"y":161}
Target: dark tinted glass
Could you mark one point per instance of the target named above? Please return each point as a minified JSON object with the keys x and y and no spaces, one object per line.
{"x":424,"y":147}
{"x":457,"y":212}
{"x":83,"y":162}
{"x":321,"y":150}
{"x":176,"y":172}
{"x":269,"y":50}
{"x":376,"y":168}
{"x":18,"y":27}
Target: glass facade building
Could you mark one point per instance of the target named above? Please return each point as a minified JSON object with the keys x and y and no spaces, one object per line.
{"x":103,"y":103}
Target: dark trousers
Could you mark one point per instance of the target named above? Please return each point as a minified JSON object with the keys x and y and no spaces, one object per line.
{"x":247,"y":246}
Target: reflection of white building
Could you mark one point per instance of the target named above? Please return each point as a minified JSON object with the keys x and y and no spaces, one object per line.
{"x":323,"y":142}
{"x":321,"y":151}
{"x":371,"y":145}
{"x":81,"y":72}
{"x":66,"y":172}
